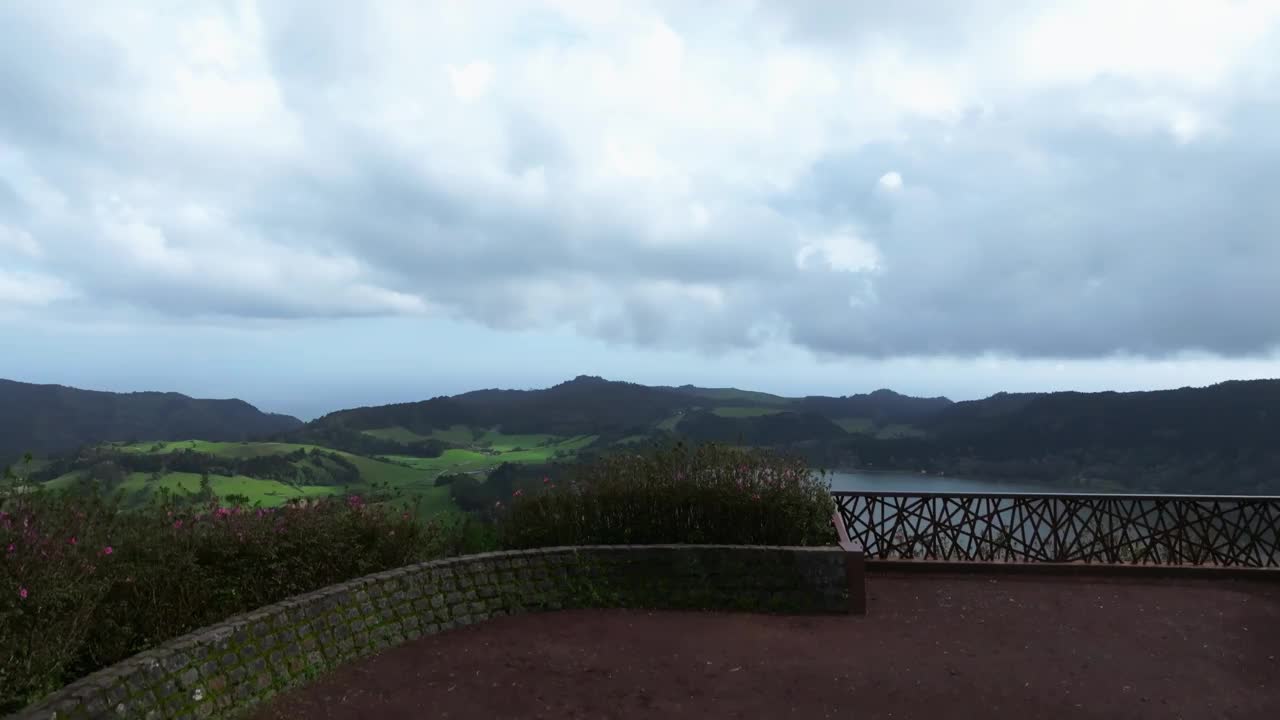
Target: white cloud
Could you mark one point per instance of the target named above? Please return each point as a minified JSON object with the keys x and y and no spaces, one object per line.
{"x":843,"y":251}
{"x":31,"y":289}
{"x":19,"y":241}
{"x":471,"y":81}
{"x":660,"y":172}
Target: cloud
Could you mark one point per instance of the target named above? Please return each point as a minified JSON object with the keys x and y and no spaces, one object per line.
{"x":659,"y":174}
{"x":471,"y":81}
{"x":891,"y":180}
{"x":24,"y":289}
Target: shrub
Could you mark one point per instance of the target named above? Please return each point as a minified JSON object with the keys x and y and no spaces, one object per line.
{"x":84,"y":583}
{"x":677,"y":494}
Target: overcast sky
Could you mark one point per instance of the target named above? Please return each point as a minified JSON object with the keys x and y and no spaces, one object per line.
{"x":314,"y":205}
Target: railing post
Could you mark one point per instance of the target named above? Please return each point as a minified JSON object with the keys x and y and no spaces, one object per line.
{"x":855,"y":567}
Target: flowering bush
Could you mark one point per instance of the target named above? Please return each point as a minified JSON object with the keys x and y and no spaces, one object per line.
{"x":677,"y":494}
{"x":85,"y":583}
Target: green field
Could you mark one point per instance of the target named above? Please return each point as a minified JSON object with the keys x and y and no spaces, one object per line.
{"x":476,"y":438}
{"x":669,"y":424}
{"x":458,"y":435}
{"x":736,"y":395}
{"x":898,"y":431}
{"x":413,"y":477}
{"x":745,"y":412}
{"x":860,"y":426}
{"x":225,"y":449}
{"x":398,"y":434}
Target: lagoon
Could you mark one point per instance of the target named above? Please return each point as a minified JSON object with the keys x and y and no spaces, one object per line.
{"x":916,"y":482}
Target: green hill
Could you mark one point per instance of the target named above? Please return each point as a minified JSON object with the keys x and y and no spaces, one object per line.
{"x":46,"y":419}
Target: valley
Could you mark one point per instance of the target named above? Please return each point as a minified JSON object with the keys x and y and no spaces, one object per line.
{"x":1202,"y":440}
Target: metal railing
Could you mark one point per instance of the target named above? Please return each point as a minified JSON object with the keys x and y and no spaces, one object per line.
{"x":1159,"y":530}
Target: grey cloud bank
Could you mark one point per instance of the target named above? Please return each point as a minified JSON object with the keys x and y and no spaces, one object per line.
{"x":1072,"y":180}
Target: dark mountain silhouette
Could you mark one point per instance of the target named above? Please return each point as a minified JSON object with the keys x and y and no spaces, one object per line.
{"x":881,"y":406}
{"x":1216,"y":439}
{"x":586,"y":405}
{"x":53,"y":418}
{"x":1221,"y":438}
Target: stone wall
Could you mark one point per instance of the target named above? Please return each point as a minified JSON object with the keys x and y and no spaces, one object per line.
{"x":223,"y":670}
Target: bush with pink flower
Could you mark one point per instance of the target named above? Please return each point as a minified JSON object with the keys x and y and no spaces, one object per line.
{"x":85,"y":582}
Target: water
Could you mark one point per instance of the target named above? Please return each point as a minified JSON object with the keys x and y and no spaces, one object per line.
{"x":915,"y":482}
{"x":1222,"y":532}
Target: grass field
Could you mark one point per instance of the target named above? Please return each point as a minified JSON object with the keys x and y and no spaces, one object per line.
{"x":896,"y":431}
{"x":413,"y":483}
{"x":398,"y":434}
{"x":745,"y":412}
{"x":669,"y":424}
{"x":736,"y":395}
{"x":469,"y":437}
{"x":458,"y":434}
{"x":413,"y":477}
{"x":224,"y":449}
{"x":860,"y":426}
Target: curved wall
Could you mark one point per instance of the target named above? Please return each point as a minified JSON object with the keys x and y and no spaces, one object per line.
{"x":222,"y":670}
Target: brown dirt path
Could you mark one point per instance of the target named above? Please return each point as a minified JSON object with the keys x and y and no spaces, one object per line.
{"x":930,"y":647}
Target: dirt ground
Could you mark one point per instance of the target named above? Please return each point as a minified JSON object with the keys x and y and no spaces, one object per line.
{"x":930,"y":647}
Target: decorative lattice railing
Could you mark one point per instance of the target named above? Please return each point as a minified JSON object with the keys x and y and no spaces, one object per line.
{"x":1228,"y":531}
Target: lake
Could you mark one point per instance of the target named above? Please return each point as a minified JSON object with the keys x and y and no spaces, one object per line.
{"x":915,"y":482}
{"x":1160,"y":530}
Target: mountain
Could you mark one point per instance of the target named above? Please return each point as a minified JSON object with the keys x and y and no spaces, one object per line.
{"x":53,"y":418}
{"x":586,"y":405}
{"x":1215,"y":439}
{"x":1229,"y":416}
{"x":881,"y":406}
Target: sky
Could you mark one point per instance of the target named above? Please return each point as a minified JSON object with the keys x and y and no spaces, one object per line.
{"x":321,"y":204}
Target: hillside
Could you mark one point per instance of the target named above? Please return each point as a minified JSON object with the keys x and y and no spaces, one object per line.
{"x":1218,"y":439}
{"x":53,"y":418}
{"x":1215,"y":439}
{"x":590,"y":405}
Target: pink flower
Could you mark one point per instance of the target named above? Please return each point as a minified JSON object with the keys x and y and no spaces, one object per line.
{"x":517,"y":493}
{"x":22,"y":593}
{"x":72,"y":540}
{"x":107,"y":550}
{"x":11,"y":548}
{"x":756,"y":496}
{"x":260,"y":512}
{"x":177,"y":524}
{"x":546,"y":481}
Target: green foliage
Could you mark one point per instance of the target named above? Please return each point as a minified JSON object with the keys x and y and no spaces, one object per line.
{"x":675,"y":494}
{"x":484,"y":497}
{"x":85,"y":583}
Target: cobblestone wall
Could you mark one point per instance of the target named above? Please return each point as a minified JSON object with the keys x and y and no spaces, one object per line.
{"x":221,"y":671}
